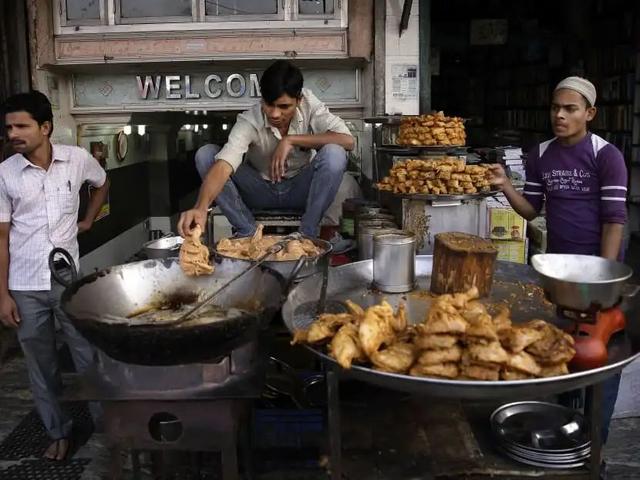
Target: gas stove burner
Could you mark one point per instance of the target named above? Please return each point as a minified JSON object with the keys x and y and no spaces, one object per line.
{"x":592,"y":332}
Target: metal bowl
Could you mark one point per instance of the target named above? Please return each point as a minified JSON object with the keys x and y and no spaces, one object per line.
{"x":311,"y":266}
{"x":353,"y":281}
{"x":164,"y":247}
{"x":540,"y":427}
{"x":583,"y":283}
{"x":99,"y":306}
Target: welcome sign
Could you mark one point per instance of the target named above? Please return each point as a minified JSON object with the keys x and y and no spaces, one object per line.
{"x":177,"y":87}
{"x":206,"y":90}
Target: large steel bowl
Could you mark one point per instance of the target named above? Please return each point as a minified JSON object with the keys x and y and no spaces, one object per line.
{"x":101,"y":304}
{"x":583,"y":283}
{"x":513,"y":284}
{"x":285,"y":268}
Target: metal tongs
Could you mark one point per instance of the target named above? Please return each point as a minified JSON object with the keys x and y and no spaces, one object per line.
{"x":273,"y":249}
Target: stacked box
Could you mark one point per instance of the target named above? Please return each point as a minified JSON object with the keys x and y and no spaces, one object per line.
{"x":512,"y":251}
{"x":507,"y":230}
{"x":537,"y":233}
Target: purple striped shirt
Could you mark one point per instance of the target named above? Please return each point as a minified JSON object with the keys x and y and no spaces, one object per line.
{"x":584,"y":186}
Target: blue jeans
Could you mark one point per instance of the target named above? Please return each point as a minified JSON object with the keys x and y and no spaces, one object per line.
{"x":205,"y":157}
{"x":312,"y":190}
{"x":574,"y":399}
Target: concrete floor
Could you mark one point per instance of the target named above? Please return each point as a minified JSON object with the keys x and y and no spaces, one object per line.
{"x":414,"y":439}
{"x":621,"y":452}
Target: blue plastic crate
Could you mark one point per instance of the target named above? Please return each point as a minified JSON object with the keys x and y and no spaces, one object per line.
{"x":280,"y":428}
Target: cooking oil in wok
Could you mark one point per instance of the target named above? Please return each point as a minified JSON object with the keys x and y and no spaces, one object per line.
{"x":171,"y":308}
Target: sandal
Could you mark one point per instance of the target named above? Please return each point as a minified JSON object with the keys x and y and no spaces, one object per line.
{"x":59,"y":450}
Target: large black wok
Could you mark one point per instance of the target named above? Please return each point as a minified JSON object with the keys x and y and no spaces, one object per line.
{"x":102,"y":306}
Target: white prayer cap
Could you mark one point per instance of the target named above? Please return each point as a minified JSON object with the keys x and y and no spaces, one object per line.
{"x":580,"y":85}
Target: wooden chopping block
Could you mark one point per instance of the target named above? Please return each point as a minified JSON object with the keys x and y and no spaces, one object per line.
{"x":461,"y":261}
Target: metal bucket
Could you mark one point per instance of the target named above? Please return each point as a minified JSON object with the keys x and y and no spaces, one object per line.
{"x":394,"y":258}
{"x":351,"y":207}
{"x":378,"y":217}
{"x":366,"y":235}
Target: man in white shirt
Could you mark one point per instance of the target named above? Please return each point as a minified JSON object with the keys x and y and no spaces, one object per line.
{"x":39,"y":203}
{"x":288,"y":152}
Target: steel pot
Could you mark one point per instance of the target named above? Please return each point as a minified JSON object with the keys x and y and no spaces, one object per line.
{"x":165,"y":247}
{"x":379,"y":217}
{"x":365,"y":238}
{"x":101,"y":305}
{"x":583,"y":283}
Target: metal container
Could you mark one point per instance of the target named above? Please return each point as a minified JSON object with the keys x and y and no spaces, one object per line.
{"x":101,"y":306}
{"x":377,"y":217}
{"x":371,"y":210}
{"x":542,"y":434}
{"x":164,"y":247}
{"x":583,"y":283}
{"x":369,"y":224}
{"x":350,"y":209}
{"x":394,"y":257}
{"x":367,"y":233}
{"x":285,"y":267}
{"x":353,"y":282}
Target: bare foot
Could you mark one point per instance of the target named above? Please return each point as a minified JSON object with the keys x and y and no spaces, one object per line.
{"x":58,"y":450}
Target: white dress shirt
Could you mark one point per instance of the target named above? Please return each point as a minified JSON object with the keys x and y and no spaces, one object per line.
{"x":42,"y":207}
{"x":252,"y":134}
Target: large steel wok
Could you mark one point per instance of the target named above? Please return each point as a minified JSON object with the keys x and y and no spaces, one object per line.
{"x":103,"y":307}
{"x":514,"y":284}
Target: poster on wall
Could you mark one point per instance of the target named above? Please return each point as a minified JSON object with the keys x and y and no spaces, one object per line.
{"x":404,"y":81}
{"x":492,"y":31}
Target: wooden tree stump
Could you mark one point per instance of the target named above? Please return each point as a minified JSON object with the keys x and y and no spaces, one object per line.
{"x":461,"y":261}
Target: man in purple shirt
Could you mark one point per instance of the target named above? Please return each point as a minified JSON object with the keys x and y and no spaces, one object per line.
{"x":580,"y":176}
{"x":583,"y":181}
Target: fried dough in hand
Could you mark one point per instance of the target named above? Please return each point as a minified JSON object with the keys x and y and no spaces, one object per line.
{"x":194,"y":256}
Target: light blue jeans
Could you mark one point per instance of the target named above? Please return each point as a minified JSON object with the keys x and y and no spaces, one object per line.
{"x":310,"y":191}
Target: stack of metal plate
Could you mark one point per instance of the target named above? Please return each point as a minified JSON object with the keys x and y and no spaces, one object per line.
{"x":542,"y":434}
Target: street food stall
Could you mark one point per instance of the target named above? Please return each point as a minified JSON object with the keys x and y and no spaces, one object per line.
{"x":464,"y":370}
{"x":456,"y":325}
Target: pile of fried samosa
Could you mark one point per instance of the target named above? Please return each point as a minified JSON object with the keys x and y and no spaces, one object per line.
{"x":458,"y":339}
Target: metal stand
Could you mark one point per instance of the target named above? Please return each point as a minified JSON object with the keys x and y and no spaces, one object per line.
{"x":335,"y":430}
{"x":593,"y":410}
{"x":199,"y":426}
